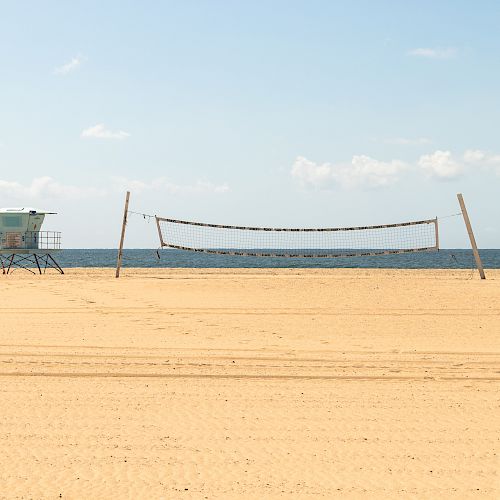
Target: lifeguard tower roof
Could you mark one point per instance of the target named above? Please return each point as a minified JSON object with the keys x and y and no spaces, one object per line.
{"x":25,"y":210}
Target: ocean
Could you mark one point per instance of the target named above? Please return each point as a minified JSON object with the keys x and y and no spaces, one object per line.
{"x":444,"y":259}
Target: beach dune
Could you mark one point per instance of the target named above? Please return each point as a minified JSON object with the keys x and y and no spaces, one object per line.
{"x":250,"y":384}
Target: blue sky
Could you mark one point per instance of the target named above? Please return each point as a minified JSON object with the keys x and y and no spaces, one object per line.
{"x":263,"y":113}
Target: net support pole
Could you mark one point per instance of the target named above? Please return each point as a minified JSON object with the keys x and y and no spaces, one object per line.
{"x":122,"y":237}
{"x":436,"y":228}
{"x":159,"y":231}
{"x":160,"y":235}
{"x":472,"y":239}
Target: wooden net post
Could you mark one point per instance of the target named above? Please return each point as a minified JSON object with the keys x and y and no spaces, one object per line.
{"x":436,"y":229}
{"x":479,"y":264}
{"x":162,"y":244}
{"x":122,"y":238}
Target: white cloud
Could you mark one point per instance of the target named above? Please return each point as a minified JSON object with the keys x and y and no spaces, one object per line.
{"x":69,"y":67}
{"x":45,"y":188}
{"x":99,"y":131}
{"x":309,"y":173}
{"x":366,"y":170}
{"x":484,"y":159}
{"x":440,"y":165}
{"x":434,"y":53}
{"x":403,"y":141}
{"x":162,"y":184}
{"x":478,"y":157}
{"x":474,"y":156}
{"x":362,"y":171}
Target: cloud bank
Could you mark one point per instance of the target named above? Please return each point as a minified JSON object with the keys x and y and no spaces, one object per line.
{"x":46,"y":187}
{"x":365,"y":172}
{"x":41,"y":188}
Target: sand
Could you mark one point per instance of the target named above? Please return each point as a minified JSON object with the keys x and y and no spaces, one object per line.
{"x":250,"y":384}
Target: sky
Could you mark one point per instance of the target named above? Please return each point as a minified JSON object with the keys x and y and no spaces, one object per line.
{"x":266,"y":113}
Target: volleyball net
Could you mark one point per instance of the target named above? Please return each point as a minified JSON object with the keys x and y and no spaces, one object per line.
{"x":327,"y":242}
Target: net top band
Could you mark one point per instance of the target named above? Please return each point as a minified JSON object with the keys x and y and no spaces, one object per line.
{"x":250,"y":228}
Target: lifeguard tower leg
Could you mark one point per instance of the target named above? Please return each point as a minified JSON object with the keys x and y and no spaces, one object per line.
{"x":55,"y":265}
{"x":10,"y":263}
{"x":37,"y":263}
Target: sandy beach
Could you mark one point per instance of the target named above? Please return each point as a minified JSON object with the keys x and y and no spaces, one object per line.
{"x":250,"y":384}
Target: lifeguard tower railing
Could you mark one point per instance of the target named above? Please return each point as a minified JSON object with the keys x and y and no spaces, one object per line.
{"x":29,"y":249}
{"x":31,"y":240}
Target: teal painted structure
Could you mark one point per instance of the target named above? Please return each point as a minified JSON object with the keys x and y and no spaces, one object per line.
{"x":20,"y":231}
{"x":22,"y":243}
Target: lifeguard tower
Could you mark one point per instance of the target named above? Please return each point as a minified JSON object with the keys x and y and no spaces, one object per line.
{"x":23,"y":245}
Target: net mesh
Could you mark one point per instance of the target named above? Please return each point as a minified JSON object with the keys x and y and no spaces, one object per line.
{"x":416,"y":236}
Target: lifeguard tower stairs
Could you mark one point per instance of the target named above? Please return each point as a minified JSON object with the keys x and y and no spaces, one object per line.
{"x":23,"y":245}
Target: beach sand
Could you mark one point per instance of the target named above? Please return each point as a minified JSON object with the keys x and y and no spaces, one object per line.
{"x":250,"y":384}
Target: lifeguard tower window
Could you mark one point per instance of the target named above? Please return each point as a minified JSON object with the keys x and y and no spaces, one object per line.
{"x":12,"y":220}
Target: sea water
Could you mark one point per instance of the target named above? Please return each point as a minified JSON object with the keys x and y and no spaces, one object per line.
{"x":444,"y":259}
